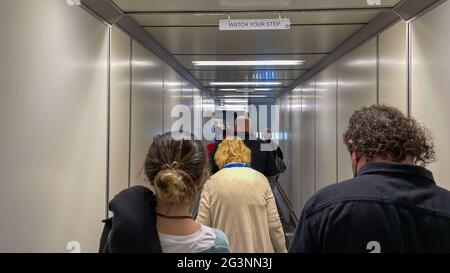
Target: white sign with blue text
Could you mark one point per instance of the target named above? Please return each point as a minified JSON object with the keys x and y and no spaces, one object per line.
{"x":255,"y":24}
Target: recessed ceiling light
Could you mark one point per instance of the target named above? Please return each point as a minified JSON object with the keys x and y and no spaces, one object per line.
{"x":263,"y":89}
{"x":248,"y":63}
{"x":244,"y":83}
{"x":245,"y":96}
{"x":235,"y":101}
{"x":228,"y":89}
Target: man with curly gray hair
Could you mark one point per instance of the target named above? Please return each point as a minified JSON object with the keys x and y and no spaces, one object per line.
{"x":392,"y":204}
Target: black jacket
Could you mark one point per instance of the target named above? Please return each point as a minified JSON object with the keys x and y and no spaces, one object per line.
{"x":133,"y":227}
{"x":262,"y":161}
{"x":386,"y":208}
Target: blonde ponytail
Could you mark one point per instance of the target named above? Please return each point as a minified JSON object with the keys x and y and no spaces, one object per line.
{"x":176,"y":168}
{"x":174,"y":186}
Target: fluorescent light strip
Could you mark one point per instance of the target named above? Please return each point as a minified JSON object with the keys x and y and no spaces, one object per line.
{"x":244,"y":83}
{"x":228,"y":89}
{"x":244,"y":96}
{"x":263,"y":89}
{"x":237,"y":99}
{"x":248,"y":63}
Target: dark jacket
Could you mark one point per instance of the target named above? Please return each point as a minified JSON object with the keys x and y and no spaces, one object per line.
{"x":262,"y":161}
{"x":276,"y":153}
{"x":386,"y":208}
{"x":133,"y":227}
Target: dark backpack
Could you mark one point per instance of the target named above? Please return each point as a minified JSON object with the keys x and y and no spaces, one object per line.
{"x":280,"y":166}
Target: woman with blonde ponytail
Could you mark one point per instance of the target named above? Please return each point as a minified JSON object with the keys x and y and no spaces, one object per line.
{"x":160,"y":221}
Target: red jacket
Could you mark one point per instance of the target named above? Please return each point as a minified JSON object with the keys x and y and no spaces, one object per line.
{"x":210,"y":147}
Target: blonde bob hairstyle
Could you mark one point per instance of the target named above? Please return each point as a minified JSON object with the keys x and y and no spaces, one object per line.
{"x":232,"y":150}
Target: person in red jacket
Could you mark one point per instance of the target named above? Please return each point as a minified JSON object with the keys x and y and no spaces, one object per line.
{"x":220,"y":131}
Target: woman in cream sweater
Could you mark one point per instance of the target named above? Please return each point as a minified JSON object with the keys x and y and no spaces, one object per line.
{"x":239,"y":201}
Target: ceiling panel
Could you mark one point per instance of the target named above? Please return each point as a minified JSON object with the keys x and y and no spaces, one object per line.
{"x":342,"y":17}
{"x":305,"y":39}
{"x":202,"y":5}
{"x":246,"y":74}
{"x":310,"y":60}
{"x":188,"y":29}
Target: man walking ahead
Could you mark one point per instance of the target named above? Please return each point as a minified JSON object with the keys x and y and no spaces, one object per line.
{"x":392,"y":204}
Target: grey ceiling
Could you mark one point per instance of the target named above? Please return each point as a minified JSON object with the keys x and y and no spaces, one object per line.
{"x":188,"y":29}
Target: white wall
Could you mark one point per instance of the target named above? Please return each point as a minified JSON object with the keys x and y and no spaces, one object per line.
{"x":147,"y":107}
{"x":295,"y":114}
{"x":326,"y":122}
{"x":285,"y":142}
{"x":53,"y":120}
{"x":307,"y":142}
{"x":197,"y":112}
{"x":357,"y":87}
{"x":187,"y":99}
{"x":120,"y":96}
{"x":374,"y":72}
{"x":322,"y":106}
{"x":393,"y":60}
{"x":172,"y":95}
{"x":430,"y":81}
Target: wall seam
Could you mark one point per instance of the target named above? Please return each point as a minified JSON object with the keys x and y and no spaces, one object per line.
{"x":130,"y":112}
{"x":337,"y":122}
{"x":164,"y":98}
{"x":108,"y":125}
{"x":290,"y":143}
{"x":378,"y":66}
{"x":301,"y":148}
{"x":315,"y":134}
{"x":409,"y":67}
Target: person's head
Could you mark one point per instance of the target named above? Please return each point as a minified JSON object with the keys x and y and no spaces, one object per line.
{"x":219,"y":129}
{"x":267,"y":134}
{"x":232,"y":150}
{"x":242,"y":124}
{"x":176,"y":166}
{"x":383,"y":133}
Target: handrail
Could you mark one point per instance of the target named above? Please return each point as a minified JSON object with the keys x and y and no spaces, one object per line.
{"x":288,"y":203}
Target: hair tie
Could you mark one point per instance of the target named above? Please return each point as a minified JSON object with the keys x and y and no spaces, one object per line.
{"x":175,"y":165}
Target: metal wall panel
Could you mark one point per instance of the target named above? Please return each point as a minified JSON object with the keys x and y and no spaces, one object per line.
{"x":282,"y":179}
{"x":53,"y":117}
{"x":285,"y":141}
{"x":187,"y":99}
{"x":147,"y":107}
{"x":172,"y":95}
{"x":430,"y":83}
{"x":119,"y":112}
{"x":197,"y":114}
{"x":289,"y":141}
{"x":208,"y":112}
{"x":393,"y":66}
{"x":295,"y":114}
{"x":307,"y":132}
{"x":326,"y":85}
{"x":357,"y":87}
